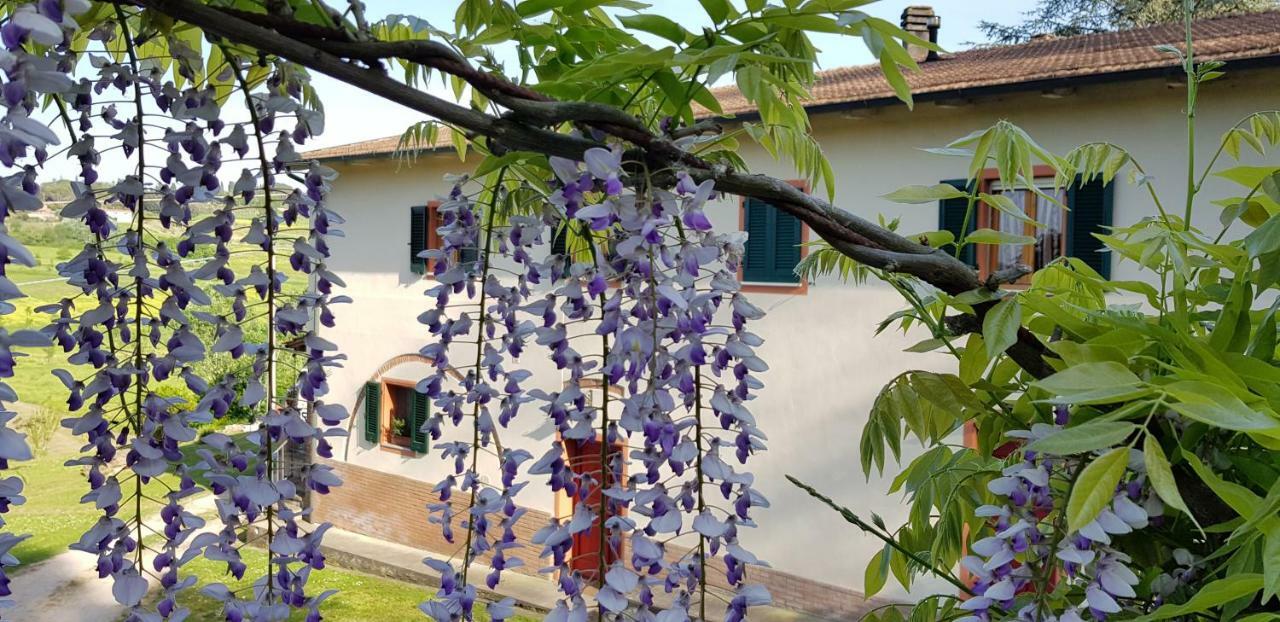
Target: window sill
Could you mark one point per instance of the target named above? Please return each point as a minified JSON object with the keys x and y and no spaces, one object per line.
{"x":393,"y":448}
{"x":792,"y":289}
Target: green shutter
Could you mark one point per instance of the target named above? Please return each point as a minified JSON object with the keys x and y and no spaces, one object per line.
{"x":951,"y":218}
{"x":773,"y":244}
{"x":469,"y":254}
{"x":560,"y":240}
{"x":417,"y":238}
{"x":419,"y":411}
{"x":372,"y":411}
{"x":1091,"y":207}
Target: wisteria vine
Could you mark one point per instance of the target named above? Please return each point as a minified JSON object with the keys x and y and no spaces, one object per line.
{"x":646,"y":278}
{"x":1029,"y":552}
{"x":659,"y":289}
{"x":151,"y":287}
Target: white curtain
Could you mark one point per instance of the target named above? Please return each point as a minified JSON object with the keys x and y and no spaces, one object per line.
{"x":1011,"y":254}
{"x":1049,"y":240}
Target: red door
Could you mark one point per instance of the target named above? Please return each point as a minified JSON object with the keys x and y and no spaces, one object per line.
{"x":584,"y":460}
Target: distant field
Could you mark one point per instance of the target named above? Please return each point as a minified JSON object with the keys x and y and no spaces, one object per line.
{"x":53,"y":513}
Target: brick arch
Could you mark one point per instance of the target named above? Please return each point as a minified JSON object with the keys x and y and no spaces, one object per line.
{"x":386,"y":366}
{"x":409,"y":357}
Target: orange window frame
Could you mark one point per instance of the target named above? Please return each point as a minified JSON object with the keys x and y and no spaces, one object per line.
{"x":387,"y":440}
{"x":988,"y":255}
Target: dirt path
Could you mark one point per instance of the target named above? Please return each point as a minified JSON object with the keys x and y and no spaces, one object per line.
{"x":66,"y":587}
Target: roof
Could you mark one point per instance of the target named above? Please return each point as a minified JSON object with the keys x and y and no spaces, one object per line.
{"x":1113,"y":55}
{"x":1236,"y":38}
{"x":374,"y":148}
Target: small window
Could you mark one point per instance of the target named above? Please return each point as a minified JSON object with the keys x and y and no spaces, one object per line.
{"x":773,"y":244}
{"x":1067,"y":233}
{"x":1045,"y":207}
{"x":394,"y":416}
{"x":424,"y":233}
{"x":399,"y":415}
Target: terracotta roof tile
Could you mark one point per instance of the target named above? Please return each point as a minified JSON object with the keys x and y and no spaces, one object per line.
{"x":375,"y":147}
{"x":1253,"y":36}
{"x":1228,"y":38}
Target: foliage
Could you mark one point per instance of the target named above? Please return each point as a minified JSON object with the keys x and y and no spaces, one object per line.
{"x":1090,"y":422}
{"x":39,"y":425}
{"x":1065,"y":18}
{"x":1140,"y":477}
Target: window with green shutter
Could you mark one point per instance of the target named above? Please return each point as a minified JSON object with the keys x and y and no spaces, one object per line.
{"x":419,"y":220}
{"x":951,"y":213}
{"x":420,"y":410}
{"x":1070,"y":232}
{"x":424,"y":220}
{"x":773,"y":244}
{"x":372,"y":411}
{"x":1091,"y":210}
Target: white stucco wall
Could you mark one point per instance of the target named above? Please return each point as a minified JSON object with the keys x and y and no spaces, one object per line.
{"x":826,"y":366}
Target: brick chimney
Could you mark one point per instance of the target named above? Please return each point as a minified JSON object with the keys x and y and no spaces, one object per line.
{"x":922,"y":22}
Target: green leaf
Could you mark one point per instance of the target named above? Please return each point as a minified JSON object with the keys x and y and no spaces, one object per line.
{"x":1089,"y":436}
{"x":925,"y":194}
{"x":1215,"y":594}
{"x":1160,"y":473}
{"x":717,"y":10}
{"x":1000,"y":326}
{"x":1214,"y":405}
{"x":492,"y":163}
{"x":657,"y":25}
{"x":1248,"y":176}
{"x":1104,"y":382}
{"x":896,"y":80}
{"x":991,"y":236}
{"x":1265,"y":239}
{"x":1095,"y":487}
{"x":529,"y":8}
{"x":877,"y":574}
{"x":1241,"y":499}
{"x":1003,"y":203}
{"x":1271,"y":565}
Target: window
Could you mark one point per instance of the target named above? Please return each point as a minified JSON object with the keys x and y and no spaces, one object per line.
{"x":774,"y":244}
{"x":394,"y":414}
{"x":424,"y":233}
{"x":1051,"y":238}
{"x":1066,"y":232}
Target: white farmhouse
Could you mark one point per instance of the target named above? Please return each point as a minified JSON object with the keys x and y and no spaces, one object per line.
{"x":825,"y":365}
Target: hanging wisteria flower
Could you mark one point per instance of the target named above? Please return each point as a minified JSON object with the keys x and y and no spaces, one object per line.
{"x":650,"y":321}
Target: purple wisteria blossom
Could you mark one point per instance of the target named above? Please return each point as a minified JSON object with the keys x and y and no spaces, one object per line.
{"x":149,"y":288}
{"x":33,"y":60}
{"x":1004,"y":564}
{"x":649,"y":330}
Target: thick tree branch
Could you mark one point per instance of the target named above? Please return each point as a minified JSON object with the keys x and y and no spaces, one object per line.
{"x":324,"y":50}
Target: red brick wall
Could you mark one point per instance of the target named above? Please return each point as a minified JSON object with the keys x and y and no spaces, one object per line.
{"x":392,"y":507}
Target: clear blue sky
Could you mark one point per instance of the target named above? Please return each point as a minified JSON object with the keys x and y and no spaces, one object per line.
{"x":353,"y":115}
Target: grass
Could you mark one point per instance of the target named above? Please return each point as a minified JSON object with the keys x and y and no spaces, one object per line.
{"x":359,"y":596}
{"x":53,"y":514}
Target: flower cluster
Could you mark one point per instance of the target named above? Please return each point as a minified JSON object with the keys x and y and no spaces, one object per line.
{"x":34,"y":50}
{"x":152,"y":288}
{"x":1022,"y":553}
{"x":638,"y":305}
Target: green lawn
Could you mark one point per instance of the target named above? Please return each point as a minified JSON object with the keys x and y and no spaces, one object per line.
{"x":360,"y":597}
{"x":53,"y":514}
